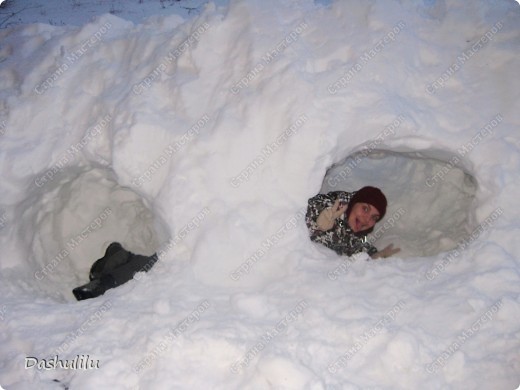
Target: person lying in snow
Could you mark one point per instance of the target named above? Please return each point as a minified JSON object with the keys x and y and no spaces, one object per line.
{"x":117,"y":267}
{"x":341,"y":220}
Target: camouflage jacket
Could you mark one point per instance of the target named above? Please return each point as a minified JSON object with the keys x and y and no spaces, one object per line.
{"x":340,"y":238}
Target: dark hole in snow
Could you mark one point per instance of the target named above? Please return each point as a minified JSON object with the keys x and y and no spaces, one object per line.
{"x":430,"y":196}
{"x":69,"y":221}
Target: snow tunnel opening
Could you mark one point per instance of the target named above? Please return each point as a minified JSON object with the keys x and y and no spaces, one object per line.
{"x":431,"y":197}
{"x":69,"y":220}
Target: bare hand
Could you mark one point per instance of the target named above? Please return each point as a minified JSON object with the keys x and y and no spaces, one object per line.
{"x":327,"y":217}
{"x":386,"y":252}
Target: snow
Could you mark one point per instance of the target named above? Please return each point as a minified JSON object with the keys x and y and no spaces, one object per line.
{"x":201,"y":135}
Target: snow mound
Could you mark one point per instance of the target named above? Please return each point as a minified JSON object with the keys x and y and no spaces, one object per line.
{"x":204,"y":138}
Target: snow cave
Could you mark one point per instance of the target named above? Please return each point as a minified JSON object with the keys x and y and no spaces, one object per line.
{"x":411,"y":180}
{"x":76,"y":213}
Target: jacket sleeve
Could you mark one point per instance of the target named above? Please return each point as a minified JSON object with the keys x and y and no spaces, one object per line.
{"x":369,"y":248}
{"x":319,"y":203}
{"x":351,"y":245}
{"x":340,"y":238}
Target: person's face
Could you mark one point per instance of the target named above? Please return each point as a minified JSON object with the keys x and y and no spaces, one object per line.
{"x":362,"y":217}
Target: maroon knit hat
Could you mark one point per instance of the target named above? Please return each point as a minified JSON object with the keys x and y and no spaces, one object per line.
{"x":370,"y":195}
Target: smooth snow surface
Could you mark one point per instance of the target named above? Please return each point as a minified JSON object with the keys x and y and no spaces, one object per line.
{"x":203,"y":137}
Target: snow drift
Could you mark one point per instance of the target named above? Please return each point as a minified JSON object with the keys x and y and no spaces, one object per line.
{"x":204,"y":138}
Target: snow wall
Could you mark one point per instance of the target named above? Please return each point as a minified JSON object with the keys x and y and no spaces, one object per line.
{"x":203,"y":139}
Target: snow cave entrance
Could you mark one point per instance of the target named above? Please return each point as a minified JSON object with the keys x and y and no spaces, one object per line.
{"x":75,"y":215}
{"x":430,"y":196}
